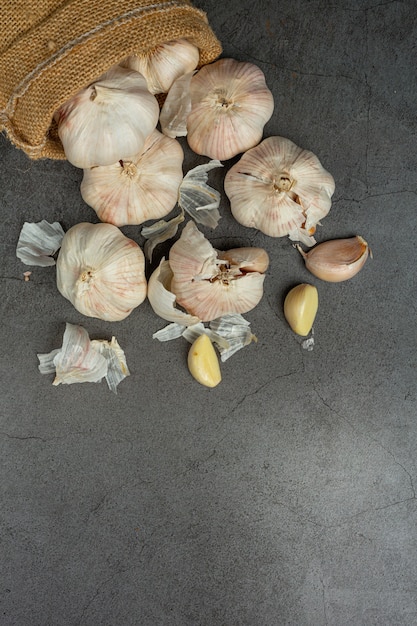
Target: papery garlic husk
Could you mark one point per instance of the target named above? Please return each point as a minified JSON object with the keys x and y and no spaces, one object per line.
{"x":210,"y":284}
{"x":162,"y":65}
{"x":280,"y":189}
{"x":300,"y":308}
{"x":336,"y":260}
{"x":163,"y":300}
{"x":176,"y":108}
{"x":203,"y":362}
{"x":108,"y":120}
{"x":101,"y":272}
{"x":230,"y":105}
{"x":138,"y":188}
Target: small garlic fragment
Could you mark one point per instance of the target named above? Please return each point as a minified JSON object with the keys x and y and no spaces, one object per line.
{"x":203,"y":362}
{"x":300,"y":308}
{"x":38,"y":242}
{"x":162,"y":65}
{"x":197,"y":198}
{"x":336,"y":259}
{"x":230,"y":105}
{"x":176,"y":108}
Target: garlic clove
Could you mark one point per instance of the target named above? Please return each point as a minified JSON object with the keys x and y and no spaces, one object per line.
{"x":162,"y":65}
{"x":138,"y":188}
{"x":163,"y":300}
{"x":101,"y":272}
{"x":280,"y":189}
{"x":336,"y":260}
{"x":247,"y":259}
{"x":300,"y":308}
{"x":108,"y":120}
{"x":207,"y":285}
{"x":230,"y":105}
{"x":203,"y":362}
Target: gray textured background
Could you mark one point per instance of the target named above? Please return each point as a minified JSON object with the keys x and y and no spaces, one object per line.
{"x":287,"y":494}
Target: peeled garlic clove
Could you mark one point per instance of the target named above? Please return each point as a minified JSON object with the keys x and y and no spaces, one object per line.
{"x":300,"y":308}
{"x":108,"y":120}
{"x":162,"y":65}
{"x":101,"y":272}
{"x":280,"y":189}
{"x":138,"y":188}
{"x":203,"y":362}
{"x":230,"y":105}
{"x":337,"y":259}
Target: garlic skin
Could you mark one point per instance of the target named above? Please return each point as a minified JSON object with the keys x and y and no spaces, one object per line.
{"x":230,"y":105}
{"x":300,"y":308}
{"x":336,"y":260}
{"x":101,"y":272}
{"x":108,"y":120}
{"x":138,"y":188}
{"x":203,"y":362}
{"x":210,"y":284}
{"x":163,"y":300}
{"x":280,"y":189}
{"x":162,"y":65}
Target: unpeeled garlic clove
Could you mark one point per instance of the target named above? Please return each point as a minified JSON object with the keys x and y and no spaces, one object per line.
{"x":203,"y":362}
{"x":230,"y":105}
{"x":336,"y":260}
{"x":300,"y":308}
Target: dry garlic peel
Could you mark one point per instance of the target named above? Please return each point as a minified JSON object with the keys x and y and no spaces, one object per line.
{"x":137,"y":188}
{"x":210,"y":284}
{"x":280,"y":189}
{"x":176,"y":108}
{"x":230,"y":105}
{"x":203,"y":362}
{"x":163,"y":301}
{"x":101,"y":272}
{"x":336,"y":260}
{"x":300,"y":308}
{"x":108,"y":120}
{"x":162,"y":65}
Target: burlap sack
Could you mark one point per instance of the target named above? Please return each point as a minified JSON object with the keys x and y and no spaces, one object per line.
{"x":50,"y":49}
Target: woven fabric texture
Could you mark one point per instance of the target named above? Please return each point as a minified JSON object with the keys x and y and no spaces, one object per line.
{"x":51,"y":49}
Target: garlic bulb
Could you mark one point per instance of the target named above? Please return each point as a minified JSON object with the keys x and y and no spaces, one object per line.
{"x":230,"y":105}
{"x":162,"y":65}
{"x":203,"y":362}
{"x":337,"y":259}
{"x":208,"y":283}
{"x":101,"y":272}
{"x":280,"y":189}
{"x":108,"y":120}
{"x":137,"y":188}
{"x":300,"y":308}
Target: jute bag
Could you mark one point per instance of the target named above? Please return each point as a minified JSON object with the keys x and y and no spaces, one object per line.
{"x":50,"y":49}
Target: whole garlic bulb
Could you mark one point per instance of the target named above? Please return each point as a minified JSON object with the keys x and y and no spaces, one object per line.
{"x":138,"y":188}
{"x":210,"y":284}
{"x":101,"y":272}
{"x":230,"y":105}
{"x":162,"y":65}
{"x":108,"y":120}
{"x":280,"y":189}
